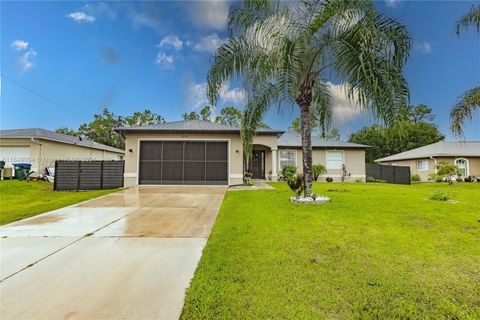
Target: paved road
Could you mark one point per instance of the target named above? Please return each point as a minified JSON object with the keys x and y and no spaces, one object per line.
{"x":128,"y":255}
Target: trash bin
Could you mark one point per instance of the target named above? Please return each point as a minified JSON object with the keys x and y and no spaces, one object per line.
{"x":21,"y":170}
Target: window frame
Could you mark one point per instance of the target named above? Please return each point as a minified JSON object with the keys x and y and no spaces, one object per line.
{"x":280,"y":158}
{"x":342,"y":152}
{"x":422,"y":161}
{"x":467,"y":166}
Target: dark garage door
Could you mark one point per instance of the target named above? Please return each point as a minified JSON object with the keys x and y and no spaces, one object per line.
{"x":183,"y":162}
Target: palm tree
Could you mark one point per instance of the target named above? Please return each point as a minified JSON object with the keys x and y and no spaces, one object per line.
{"x":470,"y":100}
{"x":463,"y":109}
{"x":286,"y":55}
{"x":469,"y":19}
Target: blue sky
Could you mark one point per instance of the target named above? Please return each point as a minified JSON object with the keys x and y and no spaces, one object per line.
{"x":135,"y":55}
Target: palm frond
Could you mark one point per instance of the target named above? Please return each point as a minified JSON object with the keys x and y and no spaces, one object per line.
{"x":464,"y":109}
{"x":469,"y":19}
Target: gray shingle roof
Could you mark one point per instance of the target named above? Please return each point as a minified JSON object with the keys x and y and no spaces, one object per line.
{"x":39,"y":133}
{"x":294,"y":140}
{"x":191,"y":126}
{"x":439,"y":149}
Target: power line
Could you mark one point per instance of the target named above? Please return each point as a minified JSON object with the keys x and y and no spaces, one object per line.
{"x":39,"y":94}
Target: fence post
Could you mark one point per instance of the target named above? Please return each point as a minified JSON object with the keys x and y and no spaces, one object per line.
{"x":79,"y":173}
{"x":54,"y":177}
{"x":101,"y":174}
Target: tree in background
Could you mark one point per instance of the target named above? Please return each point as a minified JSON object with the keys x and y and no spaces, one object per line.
{"x":332,"y":134}
{"x":469,"y":101}
{"x":102,"y":128}
{"x":67,"y":131}
{"x":288,"y":55}
{"x":206,"y":113}
{"x":145,"y":118}
{"x":413,"y":130}
{"x":192,"y":115}
{"x":230,"y":116}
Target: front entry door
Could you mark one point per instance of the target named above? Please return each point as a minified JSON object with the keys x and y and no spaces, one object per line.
{"x":258,"y":164}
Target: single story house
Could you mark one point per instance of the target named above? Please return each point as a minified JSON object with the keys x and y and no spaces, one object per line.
{"x":423,"y":160}
{"x":40,"y":148}
{"x":204,"y":152}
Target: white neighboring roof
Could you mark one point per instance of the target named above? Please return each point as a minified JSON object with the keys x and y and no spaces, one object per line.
{"x":439,"y":149}
{"x":39,"y":133}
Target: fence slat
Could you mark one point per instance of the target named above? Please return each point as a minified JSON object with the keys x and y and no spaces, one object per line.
{"x":88,"y":175}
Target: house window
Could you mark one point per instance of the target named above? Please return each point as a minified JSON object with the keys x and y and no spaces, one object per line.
{"x":462,"y":165}
{"x":288,"y":157}
{"x":422,"y":165}
{"x":334,"y":159}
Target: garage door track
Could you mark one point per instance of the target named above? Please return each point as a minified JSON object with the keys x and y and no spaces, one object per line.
{"x":127,"y":255}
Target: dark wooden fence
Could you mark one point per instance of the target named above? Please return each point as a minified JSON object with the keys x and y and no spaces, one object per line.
{"x":391,"y":174}
{"x":88,"y":175}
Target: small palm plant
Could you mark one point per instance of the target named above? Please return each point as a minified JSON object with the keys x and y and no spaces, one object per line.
{"x":287,"y":53}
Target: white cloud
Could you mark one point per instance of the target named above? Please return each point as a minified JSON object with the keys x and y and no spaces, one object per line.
{"x":211,"y":14}
{"x":81,"y":16}
{"x":165,"y":61}
{"x":392,"y":3}
{"x":149,"y":19}
{"x":424,"y":47}
{"x":19,"y":45}
{"x":196,"y":95}
{"x":26,"y":60}
{"x":208,"y":43}
{"x":171,"y":41}
{"x":344,"y":110}
{"x":234,"y":95}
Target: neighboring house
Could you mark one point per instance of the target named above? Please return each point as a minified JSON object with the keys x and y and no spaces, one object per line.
{"x":422,"y":161}
{"x":41,"y":148}
{"x":203,"y":152}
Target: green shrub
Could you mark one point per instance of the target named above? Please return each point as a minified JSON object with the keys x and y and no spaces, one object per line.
{"x":439,"y":197}
{"x":297,"y":185}
{"x":288,"y":172}
{"x":247,"y":179}
{"x":445,"y":171}
{"x":359,"y":180}
{"x":329,"y":179}
{"x":415,"y":178}
{"x":317,"y":171}
{"x":370,"y":179}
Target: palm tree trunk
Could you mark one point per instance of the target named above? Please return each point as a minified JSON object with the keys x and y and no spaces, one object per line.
{"x":304,"y":100}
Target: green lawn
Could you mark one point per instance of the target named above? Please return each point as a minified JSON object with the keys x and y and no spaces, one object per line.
{"x":21,"y":199}
{"x":379,"y":251}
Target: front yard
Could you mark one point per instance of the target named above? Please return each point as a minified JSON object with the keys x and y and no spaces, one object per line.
{"x":377,"y":251}
{"x":21,"y":199}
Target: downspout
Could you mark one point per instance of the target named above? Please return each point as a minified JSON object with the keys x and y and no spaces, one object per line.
{"x":39,"y":154}
{"x":434,"y":163}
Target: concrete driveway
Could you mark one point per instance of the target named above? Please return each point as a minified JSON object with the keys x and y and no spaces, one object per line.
{"x":128,"y":255}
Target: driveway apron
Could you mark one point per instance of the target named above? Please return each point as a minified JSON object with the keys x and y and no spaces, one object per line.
{"x":127,"y":255}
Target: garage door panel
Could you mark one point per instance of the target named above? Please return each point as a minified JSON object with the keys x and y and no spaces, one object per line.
{"x":172,"y":171}
{"x":151,"y":150}
{"x":217,"y":151}
{"x":217,"y":171}
{"x":150,"y":171}
{"x":183,"y":162}
{"x":194,"y":171}
{"x":195,"y":150}
{"x":173,"y":150}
